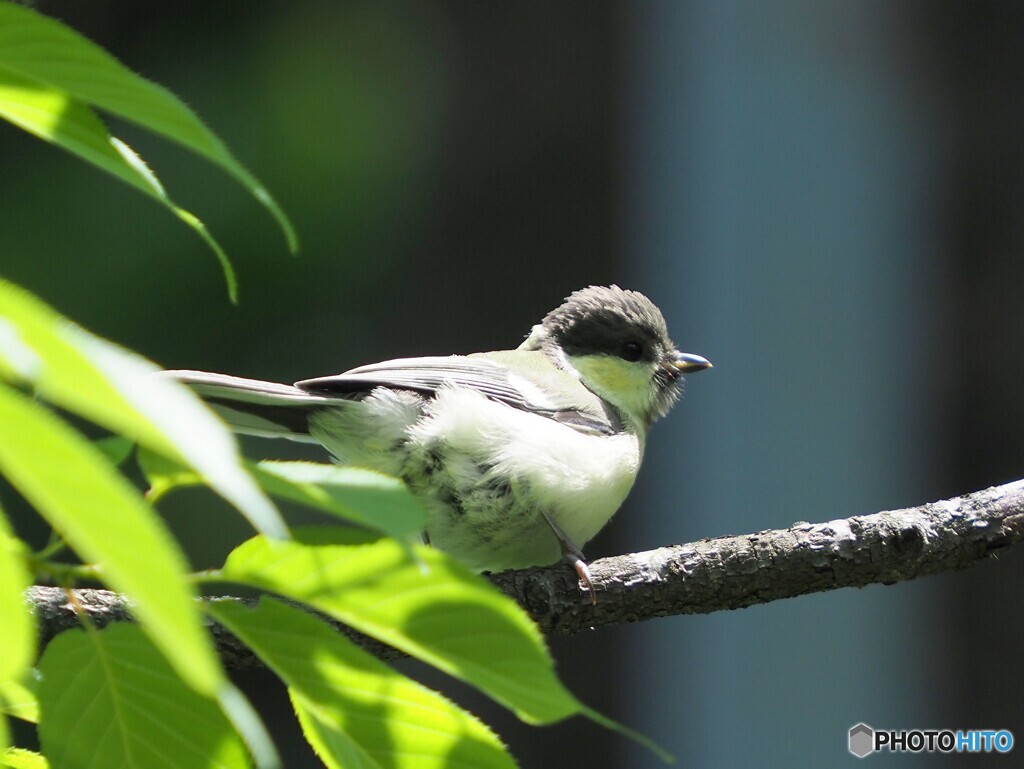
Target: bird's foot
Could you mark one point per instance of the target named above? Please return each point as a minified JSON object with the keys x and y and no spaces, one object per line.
{"x":574,"y":556}
{"x":583,"y":572}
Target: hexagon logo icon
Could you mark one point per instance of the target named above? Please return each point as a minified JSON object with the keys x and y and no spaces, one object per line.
{"x":862,"y":740}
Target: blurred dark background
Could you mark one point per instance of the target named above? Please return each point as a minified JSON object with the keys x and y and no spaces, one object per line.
{"x":825,"y":198}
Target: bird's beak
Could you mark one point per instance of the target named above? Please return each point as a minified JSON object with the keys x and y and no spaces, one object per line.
{"x":687,"y":363}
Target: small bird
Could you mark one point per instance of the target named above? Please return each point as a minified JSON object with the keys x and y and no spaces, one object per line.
{"x":518,"y":456}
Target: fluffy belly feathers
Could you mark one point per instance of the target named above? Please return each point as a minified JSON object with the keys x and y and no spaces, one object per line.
{"x":486,"y":472}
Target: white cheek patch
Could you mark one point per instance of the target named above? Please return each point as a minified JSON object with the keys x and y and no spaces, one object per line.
{"x":565,"y":362}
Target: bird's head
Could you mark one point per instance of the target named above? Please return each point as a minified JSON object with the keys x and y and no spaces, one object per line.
{"x":617,"y":342}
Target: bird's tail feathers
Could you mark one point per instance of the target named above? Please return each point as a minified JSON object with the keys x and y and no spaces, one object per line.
{"x":255,"y":407}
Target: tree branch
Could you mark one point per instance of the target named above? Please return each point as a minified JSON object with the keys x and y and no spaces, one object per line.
{"x":706,"y":576}
{"x":739,"y":571}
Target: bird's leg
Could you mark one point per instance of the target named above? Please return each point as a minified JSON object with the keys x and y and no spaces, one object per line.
{"x":573,"y":555}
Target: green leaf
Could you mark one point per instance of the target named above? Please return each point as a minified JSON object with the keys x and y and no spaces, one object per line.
{"x":56,"y":117}
{"x":18,"y":638}
{"x":110,"y":700}
{"x":246,"y":721}
{"x":16,"y":758}
{"x":122,"y":391}
{"x":44,"y":50}
{"x":370,"y":499}
{"x":164,"y":475}
{"x":355,"y":710}
{"x":115,"y":448}
{"x":103,"y":518}
{"x":18,"y":698}
{"x":363,"y":497}
{"x":429,"y":606}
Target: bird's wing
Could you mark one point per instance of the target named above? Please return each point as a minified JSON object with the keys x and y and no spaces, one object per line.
{"x":489,"y":373}
{"x":422,"y":375}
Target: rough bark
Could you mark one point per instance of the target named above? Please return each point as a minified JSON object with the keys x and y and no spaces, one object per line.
{"x":701,"y":577}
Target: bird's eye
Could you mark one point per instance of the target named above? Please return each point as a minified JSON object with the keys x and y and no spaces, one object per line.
{"x":632,"y":351}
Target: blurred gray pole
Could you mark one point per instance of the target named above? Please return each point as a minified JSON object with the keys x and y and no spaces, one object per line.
{"x":777,"y":212}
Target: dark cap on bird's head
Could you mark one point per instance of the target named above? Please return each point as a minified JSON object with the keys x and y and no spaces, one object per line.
{"x":619,"y":322}
{"x":604,"y":318}
{"x":614,"y":323}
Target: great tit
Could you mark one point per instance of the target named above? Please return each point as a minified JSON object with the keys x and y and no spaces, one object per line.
{"x":518,"y":456}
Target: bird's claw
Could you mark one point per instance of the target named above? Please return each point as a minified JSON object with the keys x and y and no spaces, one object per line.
{"x":583,"y":572}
